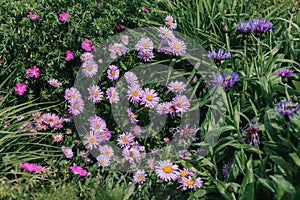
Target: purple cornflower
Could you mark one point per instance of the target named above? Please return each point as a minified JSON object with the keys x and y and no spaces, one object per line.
{"x":225,"y":80}
{"x":252,"y":133}
{"x":218,"y":56}
{"x":170,"y":22}
{"x":68,"y":153}
{"x":225,"y":169}
{"x":260,"y":25}
{"x":287,"y":108}
{"x":284,"y":72}
{"x":243,"y":26}
{"x":139,"y":176}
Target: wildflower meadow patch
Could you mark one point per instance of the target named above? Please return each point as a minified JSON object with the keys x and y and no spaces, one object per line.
{"x":150,"y":100}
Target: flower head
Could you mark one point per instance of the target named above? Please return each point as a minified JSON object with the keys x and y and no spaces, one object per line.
{"x":103,"y":160}
{"x":149,"y":98}
{"x":287,"y":108}
{"x":31,"y":167}
{"x":181,"y":103}
{"x":177,"y":47}
{"x":225,"y":80}
{"x":58,"y":137}
{"x":87,"y":56}
{"x":260,"y":25}
{"x":68,"y":153}
{"x":33,"y":72}
{"x":95,"y":94}
{"x":112,"y":95}
{"x":32,"y":16}
{"x":144,"y":9}
{"x":20,"y":88}
{"x":131,"y":78}
{"x":139,"y":176}
{"x":89,"y":68}
{"x":144,"y":45}
{"x":218,"y":56}
{"x":177,"y":86}
{"x":126,"y":139}
{"x":225,"y":169}
{"x":78,"y":170}
{"x":64,"y":17}
{"x":87,"y":45}
{"x":134,"y":93}
{"x":132,"y":116}
{"x":166,"y":170}
{"x":252,"y":133}
{"x":91,"y":141}
{"x":284,"y":72}
{"x":170,"y":22}
{"x":190,"y":183}
{"x":69,"y":55}
{"x":113,"y":72}
{"x":165,"y":33}
{"x":54,"y":82}
{"x":76,"y":106}
{"x":118,"y":49}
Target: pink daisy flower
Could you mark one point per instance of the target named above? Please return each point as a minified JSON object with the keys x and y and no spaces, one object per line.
{"x":78,"y":170}
{"x":151,"y":163}
{"x":145,"y":55}
{"x":103,"y":160}
{"x":177,"y":47}
{"x":162,"y":108}
{"x":125,"y":39}
{"x":149,"y":98}
{"x":163,"y":47}
{"x":190,"y":183}
{"x":89,"y":68}
{"x":95,"y":94}
{"x":126,"y":139}
{"x":58,"y":137}
{"x":166,"y":170}
{"x":181,"y":103}
{"x":97,"y":124}
{"x":68,"y":153}
{"x":91,"y":141}
{"x":185,"y":172}
{"x":131,"y":78}
{"x":144,"y":45}
{"x":165,"y":33}
{"x":118,"y":49}
{"x":136,"y":130}
{"x":132,"y":116}
{"x":69,"y":55}
{"x":72,"y":94}
{"x":106,"y":151}
{"x":113,"y":72}
{"x":171,"y":24}
{"x":134,"y":93}
{"x":76,"y":106}
{"x":112,"y":95}
{"x":87,"y":56}
{"x":139,"y":176}
{"x":105,"y":135}
{"x":54,"y":82}
{"x":20,"y":88}
{"x":177,"y":86}
{"x":87,"y":45}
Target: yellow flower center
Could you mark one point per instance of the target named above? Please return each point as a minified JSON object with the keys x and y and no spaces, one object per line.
{"x":151,"y":166}
{"x":149,"y":97}
{"x":179,"y":104}
{"x":125,"y":139}
{"x":190,"y":182}
{"x":146,"y":45}
{"x":113,"y":72}
{"x":72,"y":96}
{"x":135,"y":93}
{"x":133,"y":115}
{"x":177,"y":86}
{"x":107,"y":153}
{"x":118,"y":48}
{"x":92,"y":140}
{"x":166,"y":32}
{"x":140,"y":177}
{"x":184,"y":173}
{"x":177,"y":46}
{"x":86,"y":58}
{"x":113,"y":95}
{"x":170,"y":21}
{"x":90,"y":68}
{"x":51,"y":119}
{"x":98,"y":126}
{"x":167,"y":169}
{"x":76,"y":106}
{"x":96,"y":94}
{"x":101,"y":162}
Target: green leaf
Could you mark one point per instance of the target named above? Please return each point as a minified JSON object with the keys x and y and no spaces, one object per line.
{"x":283,"y":188}
{"x":295,"y":158}
{"x":247,"y":188}
{"x":297,"y":85}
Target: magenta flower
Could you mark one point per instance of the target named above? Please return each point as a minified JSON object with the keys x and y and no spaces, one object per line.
{"x":64,"y":17}
{"x":32,"y":16}
{"x":1,"y":59}
{"x":78,"y":170}
{"x":30,"y":167}
{"x":144,"y":9}
{"x":119,"y":27}
{"x":87,"y":45}
{"x":20,"y":88}
{"x":33,"y":72}
{"x":69,"y":55}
